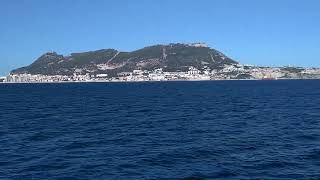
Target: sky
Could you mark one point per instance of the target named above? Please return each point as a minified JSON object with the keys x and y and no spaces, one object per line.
{"x":259,"y":32}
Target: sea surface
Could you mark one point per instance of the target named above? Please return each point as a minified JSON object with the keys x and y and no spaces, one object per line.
{"x":161,"y":130}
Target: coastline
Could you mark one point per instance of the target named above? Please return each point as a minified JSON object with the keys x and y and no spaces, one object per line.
{"x":152,"y":81}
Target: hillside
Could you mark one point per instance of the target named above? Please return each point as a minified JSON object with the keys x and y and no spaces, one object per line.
{"x":172,"y":57}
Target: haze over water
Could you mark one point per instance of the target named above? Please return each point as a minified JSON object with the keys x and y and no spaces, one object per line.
{"x":159,"y":130}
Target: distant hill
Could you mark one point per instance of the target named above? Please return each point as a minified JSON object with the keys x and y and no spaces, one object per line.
{"x":172,"y":57}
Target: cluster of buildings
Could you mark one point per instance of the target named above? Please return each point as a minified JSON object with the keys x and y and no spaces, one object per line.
{"x":136,"y":75}
{"x":233,"y":71}
{"x":160,"y":75}
{"x":30,"y":78}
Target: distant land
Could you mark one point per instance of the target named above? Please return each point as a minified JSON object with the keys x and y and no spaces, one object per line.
{"x":176,"y":61}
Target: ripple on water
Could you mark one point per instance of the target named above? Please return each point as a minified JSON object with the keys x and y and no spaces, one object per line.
{"x":172,"y":130}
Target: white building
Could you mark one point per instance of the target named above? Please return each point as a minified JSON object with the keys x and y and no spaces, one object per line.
{"x":139,"y":72}
{"x":198,"y":44}
{"x":102,"y":75}
{"x":193,"y":71}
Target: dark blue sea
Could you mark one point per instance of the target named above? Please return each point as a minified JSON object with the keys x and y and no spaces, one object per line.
{"x":161,"y":130}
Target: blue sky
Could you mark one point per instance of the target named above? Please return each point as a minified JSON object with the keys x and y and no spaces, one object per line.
{"x":264,"y":32}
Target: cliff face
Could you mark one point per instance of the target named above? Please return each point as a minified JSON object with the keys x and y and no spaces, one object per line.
{"x":172,"y":57}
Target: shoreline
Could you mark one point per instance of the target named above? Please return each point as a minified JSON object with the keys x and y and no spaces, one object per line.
{"x":151,"y":81}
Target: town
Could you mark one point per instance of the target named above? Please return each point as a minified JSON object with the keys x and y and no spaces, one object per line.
{"x":228,"y":72}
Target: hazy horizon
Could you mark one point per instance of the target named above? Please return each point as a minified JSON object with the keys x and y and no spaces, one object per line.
{"x":269,"y":33}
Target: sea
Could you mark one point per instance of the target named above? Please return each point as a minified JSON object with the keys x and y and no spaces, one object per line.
{"x":161,"y":130}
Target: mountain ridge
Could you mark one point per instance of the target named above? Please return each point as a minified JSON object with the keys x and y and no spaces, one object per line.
{"x":171,"y":57}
